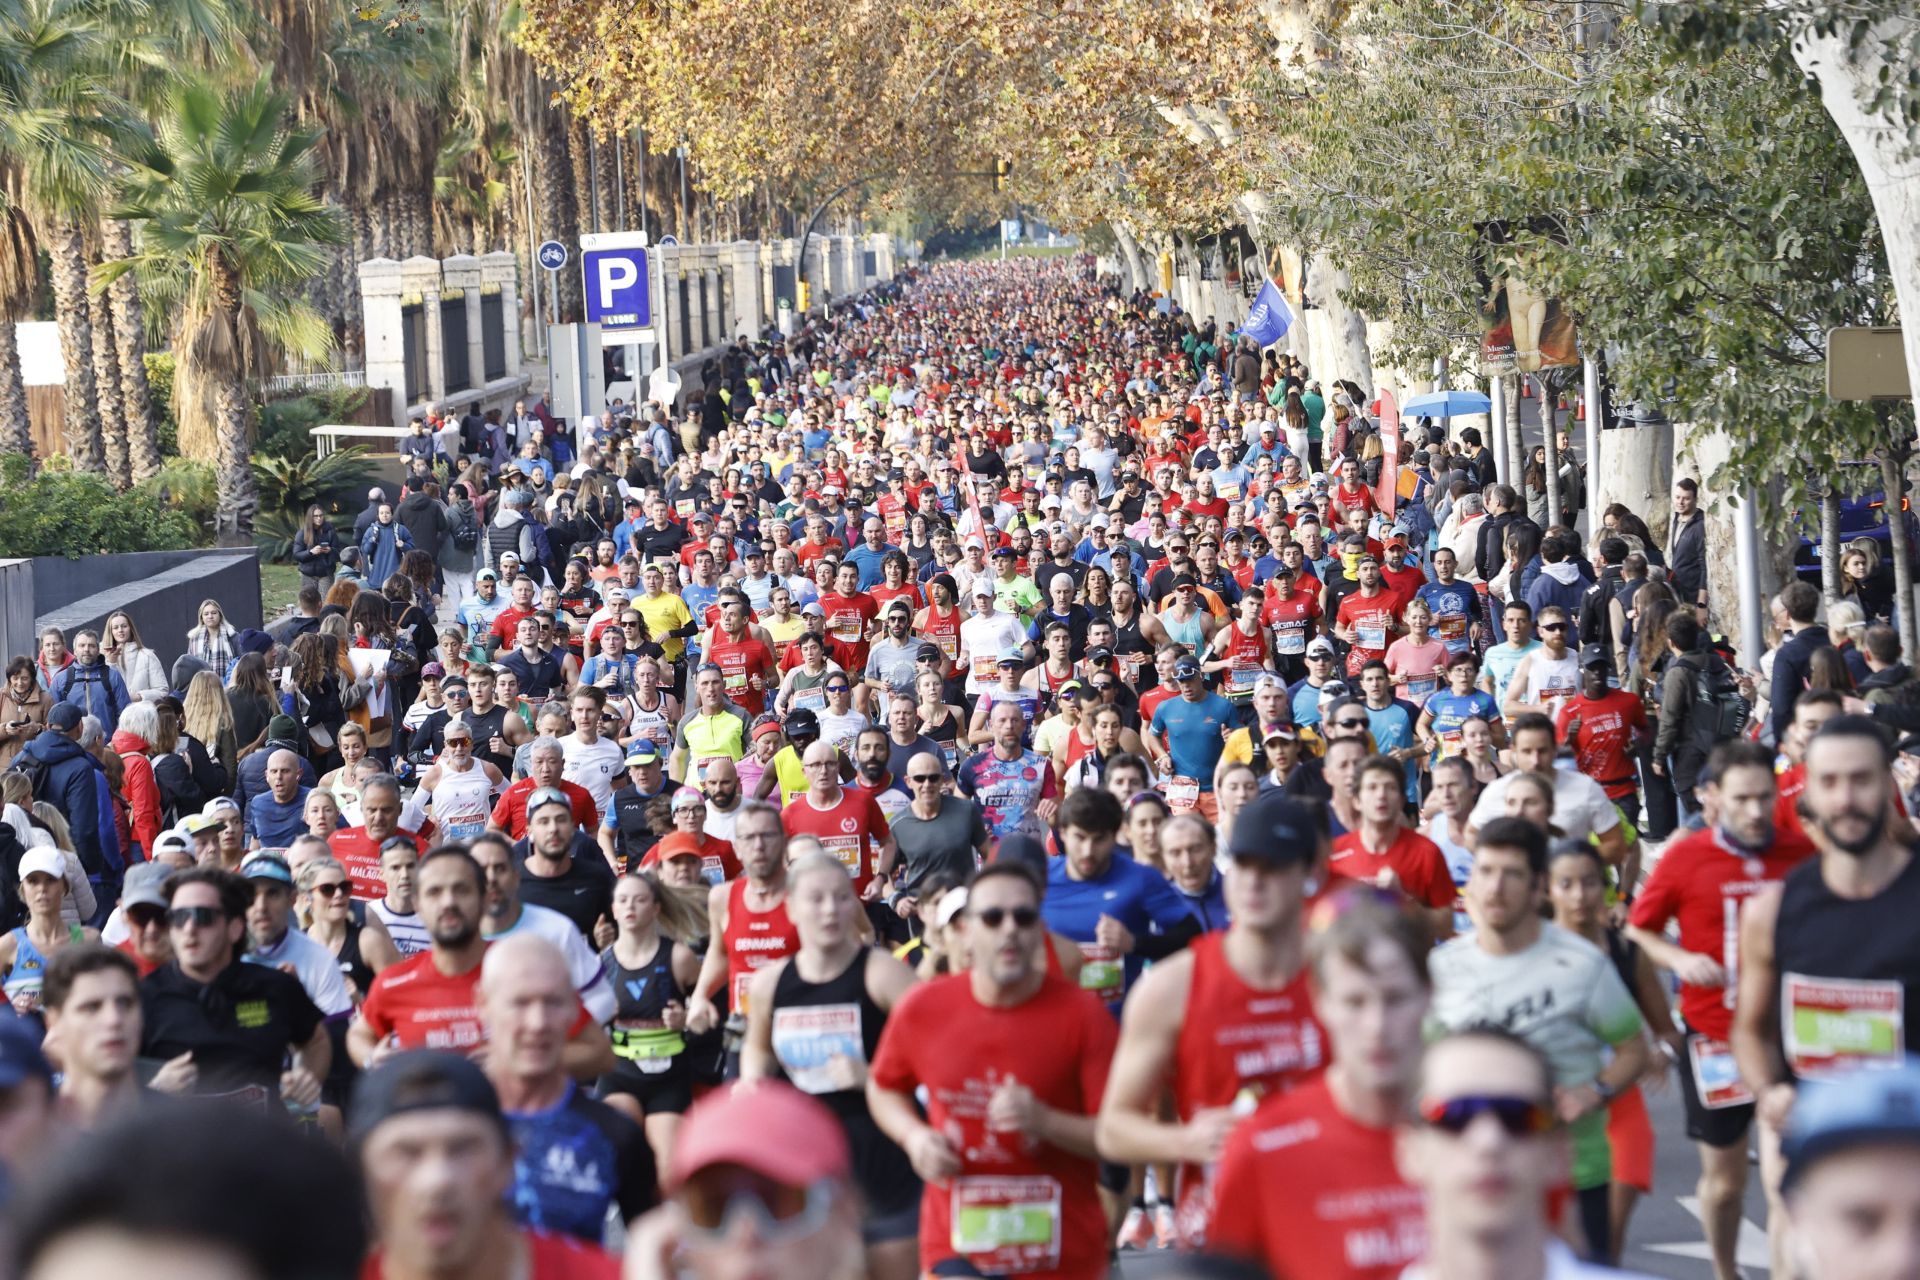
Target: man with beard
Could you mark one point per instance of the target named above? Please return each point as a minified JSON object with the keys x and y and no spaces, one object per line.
{"x":1830,"y":960}
{"x":872,"y":756}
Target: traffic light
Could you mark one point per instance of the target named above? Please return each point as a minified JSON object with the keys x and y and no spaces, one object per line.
{"x":1002,"y":171}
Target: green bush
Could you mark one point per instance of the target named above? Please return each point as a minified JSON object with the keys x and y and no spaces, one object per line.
{"x":289,"y":485}
{"x":160,"y":391}
{"x":60,"y":512}
{"x":187,"y":487}
{"x":286,"y":425}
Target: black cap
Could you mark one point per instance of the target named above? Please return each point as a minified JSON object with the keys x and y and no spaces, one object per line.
{"x":1100,"y":653}
{"x":802,"y":723}
{"x":928,"y":652}
{"x":1276,"y":829}
{"x":1595,"y":655}
{"x":421,"y":1080}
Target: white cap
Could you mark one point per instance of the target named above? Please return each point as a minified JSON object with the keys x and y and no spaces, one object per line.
{"x":46,"y":860}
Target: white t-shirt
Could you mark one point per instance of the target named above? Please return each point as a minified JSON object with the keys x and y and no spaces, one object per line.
{"x":1561,"y":1265}
{"x":595,"y":766}
{"x":589,"y":975}
{"x":1580,"y":805}
{"x":985,"y":638}
{"x":317,"y":968}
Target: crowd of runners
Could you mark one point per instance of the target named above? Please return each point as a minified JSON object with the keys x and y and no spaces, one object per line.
{"x":1005,"y":779}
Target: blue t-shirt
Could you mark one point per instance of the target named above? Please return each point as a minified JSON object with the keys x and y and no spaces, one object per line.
{"x":1192,"y":731}
{"x":274,"y":824}
{"x":1450,"y":710}
{"x":572,"y":1161}
{"x":869,"y":562}
{"x":697,"y":599}
{"x":1306,"y":703}
{"x":1392,"y":728}
{"x":1455,"y":607}
{"x":1131,"y":892}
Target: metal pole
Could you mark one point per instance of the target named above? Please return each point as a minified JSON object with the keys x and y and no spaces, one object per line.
{"x":686,"y":201}
{"x":593,"y":179}
{"x":1746,"y":555}
{"x":640,"y":150}
{"x":1551,"y":438}
{"x":1497,"y":427}
{"x":1590,"y":405}
{"x":539,"y":324}
{"x":619,"y":183}
{"x":553,"y":295}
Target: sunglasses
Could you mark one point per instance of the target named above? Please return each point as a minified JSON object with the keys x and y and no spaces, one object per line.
{"x":925,"y":778}
{"x":837,"y":688}
{"x":1553,"y":626}
{"x":1520,"y":1117}
{"x":146,"y":917}
{"x":779,"y":1214}
{"x":199,"y":917}
{"x":1068,"y":695}
{"x":332,"y":889}
{"x":1023,"y":917}
{"x":1349,"y":724}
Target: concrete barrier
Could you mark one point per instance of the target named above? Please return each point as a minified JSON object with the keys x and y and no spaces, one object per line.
{"x":160,"y":590}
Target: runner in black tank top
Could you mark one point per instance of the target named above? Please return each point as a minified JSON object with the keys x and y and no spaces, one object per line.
{"x":488,"y":725}
{"x":824,"y":1038}
{"x":653,"y":1067}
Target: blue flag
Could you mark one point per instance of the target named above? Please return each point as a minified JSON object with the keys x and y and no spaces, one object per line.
{"x":1270,"y":317}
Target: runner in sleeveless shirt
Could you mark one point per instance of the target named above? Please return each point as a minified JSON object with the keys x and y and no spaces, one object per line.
{"x":460,"y":789}
{"x":1550,"y":675}
{"x":398,"y":859}
{"x":652,"y":970}
{"x":25,"y":950}
{"x":1830,"y":960}
{"x":815,"y":1021}
{"x":939,"y":719}
{"x":653,"y":711}
{"x":940,"y":620}
{"x":747,"y":920}
{"x":1134,"y":650}
{"x":1240,"y":652}
{"x":1225,"y":1023}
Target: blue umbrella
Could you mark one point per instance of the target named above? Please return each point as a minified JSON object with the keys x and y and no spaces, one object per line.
{"x":1445,"y":404}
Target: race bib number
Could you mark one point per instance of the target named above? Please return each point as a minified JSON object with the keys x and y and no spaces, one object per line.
{"x":1007,"y":1226}
{"x":846,"y":626}
{"x":1451,"y":743}
{"x":1716,"y":1076}
{"x":1453,"y":631}
{"x":1230,"y":492}
{"x":1242,"y":679}
{"x":986,"y":670}
{"x":738,"y":1002}
{"x":812,"y":699}
{"x":1420,"y":688}
{"x":1291,"y":641}
{"x":1370,"y":637}
{"x":949,"y":645}
{"x":844,"y":848}
{"x":1183,"y":795}
{"x":1103,"y":971}
{"x":1833,"y":1024}
{"x":683,"y":508}
{"x":736,"y":681}
{"x":820,"y":1047}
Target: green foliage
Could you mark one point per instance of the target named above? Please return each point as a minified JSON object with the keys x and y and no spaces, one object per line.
{"x":187,"y":487}
{"x":60,"y":512}
{"x":286,"y":425}
{"x":288,"y":486}
{"x":160,"y":388}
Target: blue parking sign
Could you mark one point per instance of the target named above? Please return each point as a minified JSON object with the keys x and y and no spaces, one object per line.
{"x":616,"y":286}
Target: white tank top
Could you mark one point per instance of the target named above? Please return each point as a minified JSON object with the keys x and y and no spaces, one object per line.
{"x":461,"y":802}
{"x":651,"y":724}
{"x":1552,"y":681}
{"x":408,"y":934}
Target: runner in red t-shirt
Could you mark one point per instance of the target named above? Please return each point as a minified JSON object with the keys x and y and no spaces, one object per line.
{"x":744,"y":661}
{"x":1326,"y":1149}
{"x":1605,"y":727}
{"x":1384,"y":851}
{"x":1224,"y":1023}
{"x":1294,"y":616}
{"x":1014,"y":1063}
{"x":850,"y":613}
{"x":1701,"y":882}
{"x":1368,"y":619}
{"x":848,"y":824}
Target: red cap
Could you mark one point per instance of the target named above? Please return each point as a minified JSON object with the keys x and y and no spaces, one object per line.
{"x":766,"y":1126}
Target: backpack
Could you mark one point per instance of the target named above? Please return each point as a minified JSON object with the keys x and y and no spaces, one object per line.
{"x":466,"y":531}
{"x":35,"y":771}
{"x":542,"y":550}
{"x":1719,"y":711}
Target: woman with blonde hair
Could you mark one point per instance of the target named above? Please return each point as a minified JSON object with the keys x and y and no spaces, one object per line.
{"x":212,"y":641}
{"x":208,"y":718}
{"x":127,"y":653}
{"x":51,"y":826}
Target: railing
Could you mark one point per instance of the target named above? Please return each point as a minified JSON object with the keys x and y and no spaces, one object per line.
{"x":317,"y":379}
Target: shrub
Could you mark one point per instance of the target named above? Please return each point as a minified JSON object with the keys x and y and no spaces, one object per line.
{"x":60,"y":512}
{"x":160,"y":391}
{"x":285,"y":424}
{"x":288,"y":486}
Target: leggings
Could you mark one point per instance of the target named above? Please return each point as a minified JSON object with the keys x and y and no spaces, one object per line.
{"x":1596,"y":1222}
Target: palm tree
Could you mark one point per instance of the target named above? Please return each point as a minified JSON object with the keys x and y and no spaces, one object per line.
{"x":58,"y":123}
{"x":221,"y":191}
{"x":18,"y":265}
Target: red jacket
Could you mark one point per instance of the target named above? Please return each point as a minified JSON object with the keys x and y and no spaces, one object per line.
{"x":141,"y":791}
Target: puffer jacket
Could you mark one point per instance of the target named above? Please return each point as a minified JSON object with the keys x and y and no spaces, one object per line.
{"x":140,"y":789}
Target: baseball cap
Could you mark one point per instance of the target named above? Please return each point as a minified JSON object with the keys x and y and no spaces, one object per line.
{"x":1004,"y":551}
{"x":1319,"y":647}
{"x":45,"y":860}
{"x":420,"y":1080}
{"x":222,"y":807}
{"x":1283,"y":731}
{"x":677,"y":844}
{"x":545,"y":796}
{"x":432,"y":671}
{"x":981,"y":587}
{"x":1858,"y":1108}
{"x":1099,"y":520}
{"x":642,"y":752}
{"x":1595,"y":655}
{"x":1100,"y":653}
{"x":145,"y":885}
{"x":486,"y":575}
{"x":21,"y":1057}
{"x":196,"y":823}
{"x":1185,"y":669}
{"x":1275,"y":829}
{"x":64,"y":716}
{"x":1185,"y":580}
{"x":1269,"y":681}
{"x":1013,"y":655}
{"x":768,"y":1127}
{"x":267,"y":866}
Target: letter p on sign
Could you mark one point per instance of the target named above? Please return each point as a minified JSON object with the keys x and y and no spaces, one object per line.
{"x":617,"y":287}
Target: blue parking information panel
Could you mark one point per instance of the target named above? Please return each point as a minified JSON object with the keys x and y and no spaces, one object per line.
{"x":617,"y":288}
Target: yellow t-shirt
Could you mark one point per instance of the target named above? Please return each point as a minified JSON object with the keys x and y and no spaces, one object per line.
{"x":665,"y":613}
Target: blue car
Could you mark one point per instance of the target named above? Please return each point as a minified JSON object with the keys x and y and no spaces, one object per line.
{"x":1861,"y":516}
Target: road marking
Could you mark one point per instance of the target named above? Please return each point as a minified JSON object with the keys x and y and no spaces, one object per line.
{"x":1749,"y":1252}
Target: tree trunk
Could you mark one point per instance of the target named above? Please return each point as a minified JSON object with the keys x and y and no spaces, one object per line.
{"x":106,"y":381}
{"x":554,"y":177}
{"x":130,"y":338}
{"x":1136,"y":270}
{"x":1893,"y":474}
{"x":239,"y":495}
{"x":1351,"y":357}
{"x":1830,"y":543}
{"x":16,"y":431}
{"x":66,"y":248}
{"x":1890,"y":168}
{"x":1635,"y":469}
{"x":1516,"y":440}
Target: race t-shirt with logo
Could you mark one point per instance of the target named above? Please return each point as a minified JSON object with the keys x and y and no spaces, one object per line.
{"x":1602,"y":731}
{"x":1292,"y":619}
{"x":1349,"y":1215}
{"x":1414,"y":860}
{"x":1017,"y":1207}
{"x":1500,"y":663}
{"x":359,"y":853}
{"x":237,"y":1027}
{"x":1371,"y":619}
{"x":739,"y":661}
{"x":1449,"y":711}
{"x":753,"y":940}
{"x":848,"y":618}
{"x":850,"y":830}
{"x":423,"y":1008}
{"x":1131,"y":892}
{"x":462,"y":802}
{"x":985,"y":639}
{"x":574,"y":1159}
{"x":1455,"y":607}
{"x":1552,"y":682}
{"x":1563,"y":996}
{"x":1008,"y":791}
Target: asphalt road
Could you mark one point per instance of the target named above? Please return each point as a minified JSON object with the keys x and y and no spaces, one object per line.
{"x":1664,"y":1239}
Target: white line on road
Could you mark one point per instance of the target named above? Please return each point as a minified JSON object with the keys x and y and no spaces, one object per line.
{"x":1749,"y":1253}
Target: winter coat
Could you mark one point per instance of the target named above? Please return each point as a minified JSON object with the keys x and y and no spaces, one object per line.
{"x":1560,"y":583}
{"x":142,"y":792}
{"x":317,"y":564}
{"x":76,"y":784}
{"x":215,"y":649}
{"x":382,"y":545}
{"x":95,"y":688}
{"x":140,"y":668}
{"x":33,"y":709}
{"x":427,"y":522}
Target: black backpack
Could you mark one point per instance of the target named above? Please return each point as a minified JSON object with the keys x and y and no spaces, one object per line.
{"x":466,"y":530}
{"x":1720,"y":712}
{"x":35,"y":771}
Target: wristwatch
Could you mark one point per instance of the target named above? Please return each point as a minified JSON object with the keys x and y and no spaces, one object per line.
{"x":1606,"y":1091}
